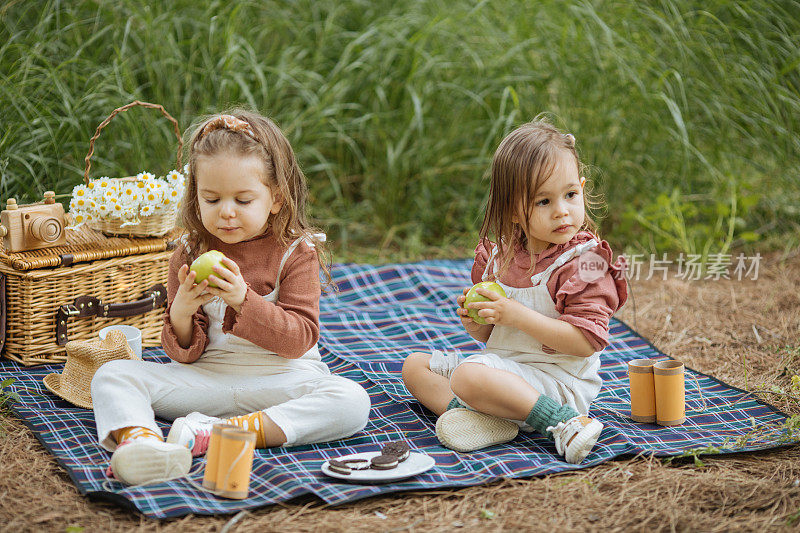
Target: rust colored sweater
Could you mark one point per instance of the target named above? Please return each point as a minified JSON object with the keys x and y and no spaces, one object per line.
{"x":289,"y":327}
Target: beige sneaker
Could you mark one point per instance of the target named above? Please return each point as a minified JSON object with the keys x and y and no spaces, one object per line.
{"x":139,"y":461}
{"x":464,"y":430}
{"x":576,"y":437}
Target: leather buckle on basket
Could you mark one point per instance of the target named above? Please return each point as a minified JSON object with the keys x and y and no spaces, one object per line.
{"x":83,"y":306}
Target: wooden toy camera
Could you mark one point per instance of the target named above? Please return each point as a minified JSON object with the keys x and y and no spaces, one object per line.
{"x":33,"y":226}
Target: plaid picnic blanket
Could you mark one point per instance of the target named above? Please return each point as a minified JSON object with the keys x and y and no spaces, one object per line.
{"x":379,"y":316}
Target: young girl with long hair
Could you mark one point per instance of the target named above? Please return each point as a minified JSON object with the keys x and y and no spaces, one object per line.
{"x":539,"y":369}
{"x":244,"y":341}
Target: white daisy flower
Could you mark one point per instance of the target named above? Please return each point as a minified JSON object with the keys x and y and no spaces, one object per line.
{"x":153,"y":197}
{"x":129,"y":194}
{"x":80,"y":191}
{"x":146,"y":210}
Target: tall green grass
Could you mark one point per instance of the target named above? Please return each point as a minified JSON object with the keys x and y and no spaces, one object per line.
{"x":687,"y":113}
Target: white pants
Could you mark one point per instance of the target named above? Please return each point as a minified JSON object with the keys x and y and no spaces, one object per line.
{"x":445,"y":363}
{"x":308,"y":405}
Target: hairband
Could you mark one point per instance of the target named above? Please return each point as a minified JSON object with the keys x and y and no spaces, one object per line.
{"x":228,"y":122}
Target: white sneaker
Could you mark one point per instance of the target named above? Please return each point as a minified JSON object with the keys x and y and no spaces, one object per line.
{"x":464,"y":430}
{"x":144,"y":460}
{"x":575,"y":437}
{"x":193,"y":431}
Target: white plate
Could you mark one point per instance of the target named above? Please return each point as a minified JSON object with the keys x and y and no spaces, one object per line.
{"x":416,"y":463}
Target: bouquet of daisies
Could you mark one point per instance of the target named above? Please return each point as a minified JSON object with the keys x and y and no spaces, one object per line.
{"x":140,"y":206}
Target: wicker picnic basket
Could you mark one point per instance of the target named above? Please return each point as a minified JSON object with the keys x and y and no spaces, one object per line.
{"x":53,"y":295}
{"x":154,"y":225}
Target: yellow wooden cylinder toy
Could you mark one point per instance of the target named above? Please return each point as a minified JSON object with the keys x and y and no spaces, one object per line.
{"x":212,"y":456}
{"x":670,"y":393}
{"x":235,"y":462}
{"x":643,"y":393}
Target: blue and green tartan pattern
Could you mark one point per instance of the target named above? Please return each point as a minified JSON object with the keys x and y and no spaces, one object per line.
{"x":379,"y":316}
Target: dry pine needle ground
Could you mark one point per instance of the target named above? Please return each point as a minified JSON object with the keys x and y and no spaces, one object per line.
{"x":717,"y":327}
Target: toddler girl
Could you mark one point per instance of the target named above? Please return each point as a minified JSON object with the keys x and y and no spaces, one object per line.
{"x":539,"y":370}
{"x":244,"y":340}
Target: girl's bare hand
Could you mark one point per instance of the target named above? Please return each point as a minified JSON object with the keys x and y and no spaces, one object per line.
{"x":190,"y":295}
{"x":230,"y":285}
{"x":470,"y":325}
{"x":499,"y":309}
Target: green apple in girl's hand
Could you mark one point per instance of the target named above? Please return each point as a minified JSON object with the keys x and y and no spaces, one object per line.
{"x":204,"y":265}
{"x":473,"y":296}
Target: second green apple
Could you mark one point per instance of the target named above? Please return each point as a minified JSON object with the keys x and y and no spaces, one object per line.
{"x":473,"y":296}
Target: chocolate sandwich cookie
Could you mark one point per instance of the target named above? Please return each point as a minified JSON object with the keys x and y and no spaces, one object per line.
{"x":400,"y":450}
{"x":384,"y":462}
{"x":339,"y":467}
{"x":357,"y":464}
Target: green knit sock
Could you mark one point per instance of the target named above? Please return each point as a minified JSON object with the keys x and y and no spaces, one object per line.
{"x":546,"y":412}
{"x":453,"y":404}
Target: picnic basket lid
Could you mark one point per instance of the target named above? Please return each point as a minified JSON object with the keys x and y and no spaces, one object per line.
{"x":85,"y":244}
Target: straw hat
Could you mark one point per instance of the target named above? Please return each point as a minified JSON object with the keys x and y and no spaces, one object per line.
{"x":74,"y":384}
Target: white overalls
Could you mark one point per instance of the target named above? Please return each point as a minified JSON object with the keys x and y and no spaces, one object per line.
{"x":567,"y":379}
{"x":232,"y":377}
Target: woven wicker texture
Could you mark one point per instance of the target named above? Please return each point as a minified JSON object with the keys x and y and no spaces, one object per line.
{"x":152,"y":225}
{"x":115,"y":270}
{"x":85,"y":244}
{"x":33,"y":298}
{"x":149,"y":226}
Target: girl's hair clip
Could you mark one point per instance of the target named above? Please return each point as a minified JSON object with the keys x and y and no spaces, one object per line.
{"x":228,"y":122}
{"x":570,"y":138}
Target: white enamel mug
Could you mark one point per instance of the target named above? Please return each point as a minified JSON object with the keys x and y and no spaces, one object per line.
{"x":132,"y":334}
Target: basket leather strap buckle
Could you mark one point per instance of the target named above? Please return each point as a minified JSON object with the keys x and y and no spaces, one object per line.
{"x":84,"y":306}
